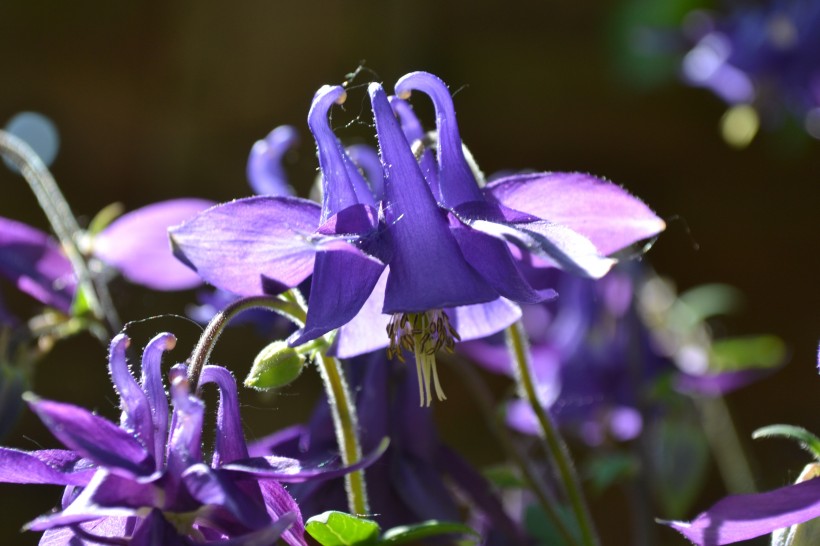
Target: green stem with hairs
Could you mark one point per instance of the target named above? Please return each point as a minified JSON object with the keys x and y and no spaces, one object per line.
{"x":63,"y":223}
{"x":555,"y":446}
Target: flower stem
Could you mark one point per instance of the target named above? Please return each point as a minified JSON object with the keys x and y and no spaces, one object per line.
{"x":346,"y":425}
{"x":483,"y":397}
{"x":519,"y":351}
{"x":207,"y":341}
{"x":726,"y":445}
{"x":63,"y":223}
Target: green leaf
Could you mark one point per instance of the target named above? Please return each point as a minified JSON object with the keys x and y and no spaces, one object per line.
{"x":81,"y":306}
{"x":610,"y":468}
{"x":803,"y":437}
{"x":104,"y":218}
{"x":709,"y":300}
{"x":740,"y":353}
{"x":339,"y":529}
{"x":275,"y":366}
{"x":504,"y":476}
{"x":419,"y":531}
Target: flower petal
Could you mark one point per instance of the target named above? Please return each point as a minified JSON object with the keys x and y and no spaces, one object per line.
{"x":367,"y":159}
{"x":94,"y":437}
{"x":54,"y":466}
{"x":215,"y":488}
{"x":265,"y":173}
{"x":230,"y":440}
{"x":367,"y":331}
{"x":741,"y":517}
{"x":483,"y":319}
{"x":251,"y":246}
{"x":283,"y":508}
{"x":601,"y":211}
{"x":427,"y":270}
{"x":137,"y":245}
{"x":35,"y":263}
{"x":154,"y":389}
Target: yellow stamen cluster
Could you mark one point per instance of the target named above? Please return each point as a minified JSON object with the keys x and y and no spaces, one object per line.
{"x":424,"y":334}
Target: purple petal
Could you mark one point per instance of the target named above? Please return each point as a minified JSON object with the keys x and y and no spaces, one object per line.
{"x":718,"y":384}
{"x":109,"y":527}
{"x":94,"y":437}
{"x":493,"y":259}
{"x":155,"y":529}
{"x":289,"y":470}
{"x":427,"y":270}
{"x":155,"y":389}
{"x":137,"y":245}
{"x":521,"y":418}
{"x":106,"y":495}
{"x":251,"y":246}
{"x":342,"y":184}
{"x":230,"y":440}
{"x":601,"y":211}
{"x":214,"y":488}
{"x":54,"y":466}
{"x":741,"y":517}
{"x":458,"y":185}
{"x":367,"y":159}
{"x":185,"y":439}
{"x":283,"y":508}
{"x":367,"y":331}
{"x":269,"y":535}
{"x":483,"y":319}
{"x":265,"y":172}
{"x":136,"y":412}
{"x":34,"y":262}
{"x":414,"y":132}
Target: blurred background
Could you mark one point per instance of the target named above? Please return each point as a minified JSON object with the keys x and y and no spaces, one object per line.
{"x":156,"y":100}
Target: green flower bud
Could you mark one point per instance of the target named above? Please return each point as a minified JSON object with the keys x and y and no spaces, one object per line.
{"x":275,"y":366}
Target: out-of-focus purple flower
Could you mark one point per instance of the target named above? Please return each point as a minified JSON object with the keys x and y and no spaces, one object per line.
{"x":147,"y":477}
{"x":765,"y":55}
{"x":136,"y":244}
{"x":415,"y":478}
{"x":34,"y":262}
{"x":266,"y":175}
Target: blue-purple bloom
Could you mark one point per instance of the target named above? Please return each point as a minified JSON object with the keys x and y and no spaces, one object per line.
{"x":422,"y":247}
{"x":147,"y":479}
{"x":764,"y":55}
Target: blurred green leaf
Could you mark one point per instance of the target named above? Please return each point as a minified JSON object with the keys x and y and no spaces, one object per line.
{"x":606,"y":469}
{"x":679,"y":456}
{"x":541,"y":528}
{"x":709,"y":300}
{"x":339,"y":529}
{"x":803,"y":437}
{"x":504,"y":476}
{"x":743,"y":352}
{"x":419,"y":531}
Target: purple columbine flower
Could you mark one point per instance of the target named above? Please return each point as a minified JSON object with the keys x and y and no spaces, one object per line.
{"x":409,"y":256}
{"x":266,"y":175}
{"x":146,"y":479}
{"x":418,"y":478}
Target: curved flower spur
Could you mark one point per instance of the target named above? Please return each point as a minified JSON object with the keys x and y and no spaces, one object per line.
{"x":146,"y":480}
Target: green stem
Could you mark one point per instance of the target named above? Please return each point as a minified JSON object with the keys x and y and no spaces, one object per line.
{"x":346,"y":424}
{"x":63,"y":223}
{"x":726,"y":445}
{"x":481,"y":394}
{"x":519,"y":351}
{"x":207,"y":341}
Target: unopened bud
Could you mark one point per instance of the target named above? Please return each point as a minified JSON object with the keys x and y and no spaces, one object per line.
{"x":275,"y":366}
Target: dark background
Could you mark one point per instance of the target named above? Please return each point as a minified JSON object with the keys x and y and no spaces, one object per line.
{"x":160,"y":100}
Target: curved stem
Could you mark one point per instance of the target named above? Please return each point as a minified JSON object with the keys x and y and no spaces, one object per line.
{"x":519,"y":351}
{"x":481,"y":394}
{"x":62,"y":222}
{"x":205,"y":345}
{"x":346,"y":425}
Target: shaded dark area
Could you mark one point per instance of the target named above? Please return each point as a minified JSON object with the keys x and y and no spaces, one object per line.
{"x":160,"y":100}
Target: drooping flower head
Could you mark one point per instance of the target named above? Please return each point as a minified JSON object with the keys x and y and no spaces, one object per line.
{"x":148,"y":477}
{"x":413,"y":255}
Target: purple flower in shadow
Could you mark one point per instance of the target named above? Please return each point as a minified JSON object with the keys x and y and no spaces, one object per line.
{"x":418,"y":477}
{"x":147,"y":477}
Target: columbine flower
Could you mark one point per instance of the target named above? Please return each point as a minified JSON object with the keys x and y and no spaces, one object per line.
{"x":410,"y":258}
{"x":146,"y":479}
{"x":418,"y":477}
